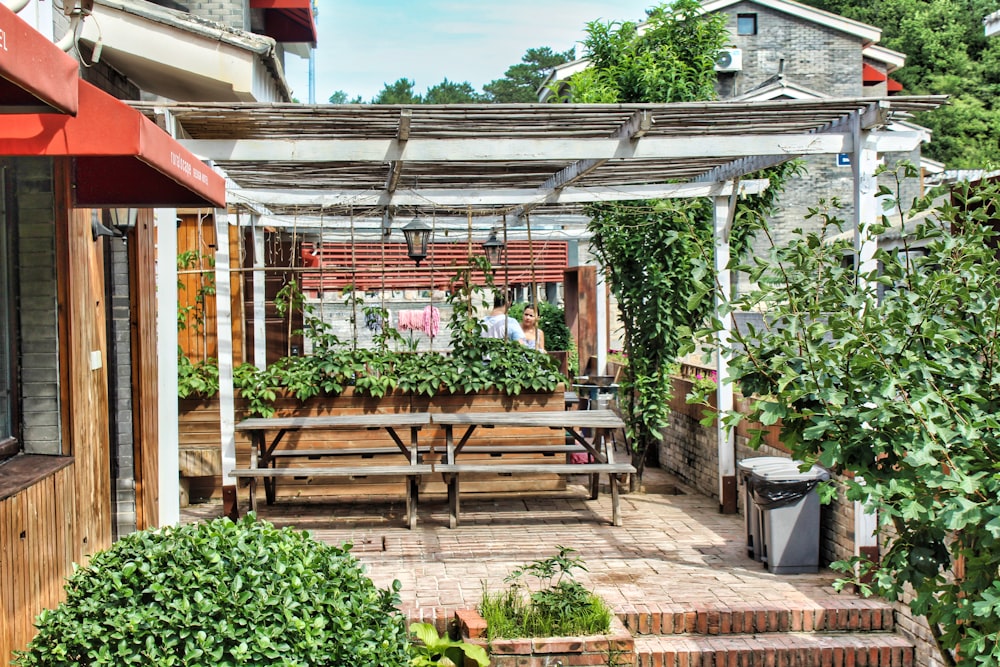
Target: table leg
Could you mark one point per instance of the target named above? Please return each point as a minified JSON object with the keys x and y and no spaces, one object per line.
{"x":453,"y":504}
{"x":616,"y":517}
{"x":595,"y":486}
{"x":253,"y":494}
{"x":269,"y":490}
{"x":412,"y":488}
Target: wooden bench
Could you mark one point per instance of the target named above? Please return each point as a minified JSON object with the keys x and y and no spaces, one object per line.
{"x":411,"y":472}
{"x":264,"y":455}
{"x":601,"y":459}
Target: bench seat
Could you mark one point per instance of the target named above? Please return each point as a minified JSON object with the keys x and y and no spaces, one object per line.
{"x":411,"y":472}
{"x":452,"y":473}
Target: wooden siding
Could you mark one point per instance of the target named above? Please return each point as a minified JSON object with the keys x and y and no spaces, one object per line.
{"x":197,"y":233}
{"x":145,"y":388}
{"x":58,"y":518}
{"x":37,"y":550}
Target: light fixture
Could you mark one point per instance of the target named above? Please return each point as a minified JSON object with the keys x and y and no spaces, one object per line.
{"x":493,"y":247}
{"x":123,"y":219}
{"x":417,"y":234}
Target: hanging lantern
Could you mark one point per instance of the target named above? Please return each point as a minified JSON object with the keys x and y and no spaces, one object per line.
{"x":493,"y":247}
{"x":417,"y":234}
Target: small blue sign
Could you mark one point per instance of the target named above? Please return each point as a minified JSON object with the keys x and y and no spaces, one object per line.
{"x":843,"y":159}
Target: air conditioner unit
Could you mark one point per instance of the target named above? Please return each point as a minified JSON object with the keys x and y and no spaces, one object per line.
{"x":729,"y":60}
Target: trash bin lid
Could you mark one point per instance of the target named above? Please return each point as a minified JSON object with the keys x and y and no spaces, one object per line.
{"x":790,"y":473}
{"x":756,"y":462}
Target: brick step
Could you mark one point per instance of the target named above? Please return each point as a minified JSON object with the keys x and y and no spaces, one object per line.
{"x":805,"y":649}
{"x":833,"y":615}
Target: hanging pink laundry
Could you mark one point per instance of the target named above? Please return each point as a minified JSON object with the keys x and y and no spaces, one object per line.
{"x":431,"y":321}
{"x":411,"y":320}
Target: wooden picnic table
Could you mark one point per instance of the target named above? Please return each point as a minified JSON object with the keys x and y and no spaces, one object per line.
{"x":264,"y":454}
{"x":600,"y":459}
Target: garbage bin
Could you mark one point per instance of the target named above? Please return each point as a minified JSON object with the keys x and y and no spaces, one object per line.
{"x":751,"y":513}
{"x":789,"y":508}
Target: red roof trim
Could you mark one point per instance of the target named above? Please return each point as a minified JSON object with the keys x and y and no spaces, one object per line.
{"x":288,"y":20}
{"x":122,"y":158}
{"x":870,"y":75}
{"x":35,"y":76}
{"x":893,"y":86}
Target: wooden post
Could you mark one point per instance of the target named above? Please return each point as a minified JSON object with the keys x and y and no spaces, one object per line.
{"x":722,"y":226}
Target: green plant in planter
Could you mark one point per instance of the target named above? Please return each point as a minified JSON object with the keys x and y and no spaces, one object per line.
{"x":557,"y":606}
{"x":433,"y":650}
{"x":196,"y":379}
{"x":220,"y":594}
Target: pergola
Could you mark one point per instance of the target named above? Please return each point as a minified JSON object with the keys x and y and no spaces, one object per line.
{"x":363,"y":167}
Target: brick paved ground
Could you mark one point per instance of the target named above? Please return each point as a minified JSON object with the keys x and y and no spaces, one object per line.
{"x":673,"y":551}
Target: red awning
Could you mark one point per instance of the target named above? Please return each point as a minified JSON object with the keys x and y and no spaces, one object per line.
{"x":122,"y":158}
{"x":870,"y":75}
{"x":893,"y":86}
{"x":288,"y":20}
{"x":35,"y":76}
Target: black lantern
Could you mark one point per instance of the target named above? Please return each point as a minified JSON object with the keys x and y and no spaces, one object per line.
{"x":417,"y":234}
{"x":493,"y":248}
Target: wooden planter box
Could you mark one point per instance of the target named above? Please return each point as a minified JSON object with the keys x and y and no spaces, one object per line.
{"x":199,"y":441}
{"x":615,"y":648}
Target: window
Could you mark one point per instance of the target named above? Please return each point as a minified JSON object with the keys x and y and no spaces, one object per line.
{"x":746,"y":24}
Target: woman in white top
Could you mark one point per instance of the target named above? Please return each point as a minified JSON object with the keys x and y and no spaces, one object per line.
{"x":533,"y":336}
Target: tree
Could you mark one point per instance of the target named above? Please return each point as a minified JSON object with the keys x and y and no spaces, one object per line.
{"x":450,"y":92}
{"x":947,"y":53}
{"x":400,"y":92}
{"x":649,"y":250}
{"x":894,"y":375}
{"x":521,"y":81}
{"x":340,"y":97}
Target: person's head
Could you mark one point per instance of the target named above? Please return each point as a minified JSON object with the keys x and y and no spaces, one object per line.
{"x":499,"y":301}
{"x":529,"y":317}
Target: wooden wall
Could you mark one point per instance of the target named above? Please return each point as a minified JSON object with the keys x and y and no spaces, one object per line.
{"x":61,"y":512}
{"x":145,"y":371}
{"x":38,"y":547}
{"x":196,"y":232}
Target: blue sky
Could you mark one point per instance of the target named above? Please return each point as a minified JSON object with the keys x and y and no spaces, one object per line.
{"x":364,"y":44}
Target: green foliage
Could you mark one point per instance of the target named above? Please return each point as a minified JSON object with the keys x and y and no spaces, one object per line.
{"x":555,"y":606}
{"x":894,"y":374}
{"x":400,"y":92}
{"x":672,"y":61}
{"x":520,"y":82}
{"x":475,"y":364}
{"x":551,"y":320}
{"x":341,"y":97}
{"x":221,"y":593}
{"x":196,"y":379}
{"x":192,"y":316}
{"x":657,"y":254}
{"x":433,"y":650}
{"x":451,"y":92}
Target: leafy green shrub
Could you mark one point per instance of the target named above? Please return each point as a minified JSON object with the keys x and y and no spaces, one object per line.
{"x":559,"y":606}
{"x":222,"y":593}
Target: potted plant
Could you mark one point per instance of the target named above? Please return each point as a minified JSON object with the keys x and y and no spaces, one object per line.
{"x":545,"y":613}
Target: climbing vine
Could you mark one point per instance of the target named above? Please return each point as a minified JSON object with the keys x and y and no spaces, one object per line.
{"x":657,"y":255}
